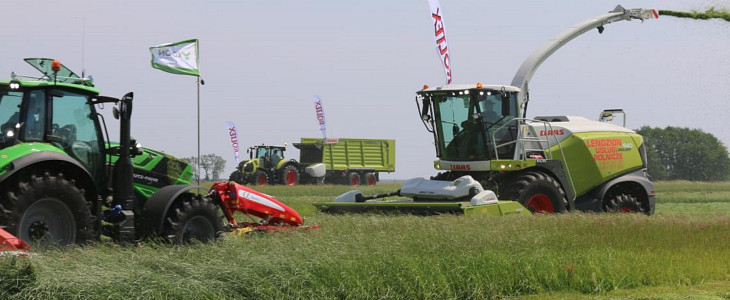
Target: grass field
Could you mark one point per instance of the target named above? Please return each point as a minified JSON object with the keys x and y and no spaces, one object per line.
{"x":681,"y":252}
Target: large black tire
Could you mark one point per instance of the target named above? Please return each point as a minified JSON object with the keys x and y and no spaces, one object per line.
{"x":48,"y":211}
{"x":237,"y":177}
{"x":289,"y":175}
{"x":193,"y":219}
{"x":623,"y":203}
{"x":370,"y":179}
{"x":353,"y":178}
{"x":260,"y":178}
{"x":538,"y":192}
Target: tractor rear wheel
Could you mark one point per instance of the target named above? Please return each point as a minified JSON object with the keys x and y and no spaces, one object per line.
{"x":290,"y":175}
{"x":193,"y":219}
{"x":353,"y":178}
{"x":623,"y":203}
{"x":260,"y":178}
{"x":370,"y":178}
{"x":538,"y":192}
{"x":48,"y":211}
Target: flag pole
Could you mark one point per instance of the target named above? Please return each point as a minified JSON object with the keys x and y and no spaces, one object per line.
{"x":198,"y":164}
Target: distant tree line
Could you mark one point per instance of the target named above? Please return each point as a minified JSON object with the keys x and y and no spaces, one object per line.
{"x":211,"y":165}
{"x":675,"y":153}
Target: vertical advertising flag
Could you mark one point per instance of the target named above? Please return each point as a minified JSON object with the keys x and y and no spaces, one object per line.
{"x":320,"y":115}
{"x":234,"y":139}
{"x":439,"y":35}
{"x":177,"y":58}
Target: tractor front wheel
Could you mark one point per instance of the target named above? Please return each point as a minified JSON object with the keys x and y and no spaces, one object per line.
{"x":193,"y":219}
{"x":237,"y":177}
{"x":623,"y":203}
{"x":290,"y":175}
{"x":538,"y":192}
{"x":48,"y":211}
{"x":260,"y":178}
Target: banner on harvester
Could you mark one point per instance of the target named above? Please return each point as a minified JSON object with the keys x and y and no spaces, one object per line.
{"x":439,"y":35}
{"x":234,"y":139}
{"x":177,"y":58}
{"x":320,"y":115}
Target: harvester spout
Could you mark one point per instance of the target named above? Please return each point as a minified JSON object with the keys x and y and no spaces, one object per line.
{"x":530,"y":65}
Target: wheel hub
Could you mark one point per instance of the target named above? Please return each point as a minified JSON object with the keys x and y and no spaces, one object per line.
{"x":540,"y":203}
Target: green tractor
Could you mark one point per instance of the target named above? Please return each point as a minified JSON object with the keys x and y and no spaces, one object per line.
{"x":267,"y":165}
{"x":63,"y":182}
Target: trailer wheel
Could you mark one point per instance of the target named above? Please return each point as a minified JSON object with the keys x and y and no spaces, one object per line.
{"x":370,"y":178}
{"x":48,"y":211}
{"x":623,"y":203}
{"x":193,"y":219}
{"x":260,"y":178}
{"x":354,"y":178}
{"x":538,"y":192}
{"x":290,"y":175}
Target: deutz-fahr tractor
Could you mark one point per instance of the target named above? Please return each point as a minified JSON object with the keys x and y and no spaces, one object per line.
{"x":267,"y":165}
{"x":62,"y":181}
{"x":487,"y":147}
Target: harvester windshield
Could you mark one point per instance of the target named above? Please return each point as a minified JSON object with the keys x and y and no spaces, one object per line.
{"x":465,"y":122}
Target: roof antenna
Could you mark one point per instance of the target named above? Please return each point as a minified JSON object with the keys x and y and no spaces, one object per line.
{"x":83,"y":38}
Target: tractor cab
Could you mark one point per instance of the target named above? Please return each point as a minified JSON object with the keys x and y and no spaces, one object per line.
{"x":268,"y":156}
{"x":470,"y":122}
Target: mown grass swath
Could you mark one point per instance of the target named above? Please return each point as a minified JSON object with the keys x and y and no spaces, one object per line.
{"x":403,"y":257}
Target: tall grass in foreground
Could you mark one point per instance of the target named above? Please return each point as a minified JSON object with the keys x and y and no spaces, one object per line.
{"x":397,"y":257}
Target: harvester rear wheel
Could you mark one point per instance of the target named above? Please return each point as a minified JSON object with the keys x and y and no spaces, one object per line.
{"x":48,"y":211}
{"x":538,"y":192}
{"x":193,"y":219}
{"x":290,"y":175}
{"x":260,"y":178}
{"x":370,"y":178}
{"x":623,"y":203}
{"x":353,"y":178}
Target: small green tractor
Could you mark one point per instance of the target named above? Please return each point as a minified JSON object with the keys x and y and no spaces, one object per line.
{"x":63,"y":182}
{"x":267,"y":165}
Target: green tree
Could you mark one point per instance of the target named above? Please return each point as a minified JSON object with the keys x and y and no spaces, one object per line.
{"x":676,"y":153}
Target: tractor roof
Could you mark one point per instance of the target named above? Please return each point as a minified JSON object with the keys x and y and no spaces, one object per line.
{"x":461,"y":87}
{"x":44,"y":83}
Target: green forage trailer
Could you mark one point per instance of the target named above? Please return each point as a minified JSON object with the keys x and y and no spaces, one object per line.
{"x":347,"y":160}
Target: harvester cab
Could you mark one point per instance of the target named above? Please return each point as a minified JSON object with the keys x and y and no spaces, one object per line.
{"x":547,"y":164}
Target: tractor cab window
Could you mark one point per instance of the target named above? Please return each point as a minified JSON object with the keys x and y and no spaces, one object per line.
{"x":74,"y":130}
{"x":35,"y":116}
{"x":466,"y":123}
{"x":276,"y":156}
{"x":262,"y":152}
{"x":9,"y":115}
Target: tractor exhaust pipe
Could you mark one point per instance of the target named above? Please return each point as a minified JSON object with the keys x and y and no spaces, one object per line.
{"x":122,"y":179}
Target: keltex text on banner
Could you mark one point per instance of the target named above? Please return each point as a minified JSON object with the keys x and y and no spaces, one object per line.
{"x":439,"y":35}
{"x":320,"y":115}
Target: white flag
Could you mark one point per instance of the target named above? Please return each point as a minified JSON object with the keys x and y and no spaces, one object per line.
{"x":439,"y":35}
{"x":177,"y":58}
{"x":320,"y":115}
{"x":234,"y":139}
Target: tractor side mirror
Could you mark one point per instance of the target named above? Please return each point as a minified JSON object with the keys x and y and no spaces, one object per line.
{"x":115,"y":113}
{"x":505,"y":104}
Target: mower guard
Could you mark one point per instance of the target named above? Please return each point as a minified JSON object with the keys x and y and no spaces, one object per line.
{"x":501,"y":208}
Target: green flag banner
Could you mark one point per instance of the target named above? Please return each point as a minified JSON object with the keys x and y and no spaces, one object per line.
{"x":177,"y":58}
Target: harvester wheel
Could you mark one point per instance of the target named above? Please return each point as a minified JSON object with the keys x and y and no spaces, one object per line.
{"x":237,"y":177}
{"x":538,"y":192}
{"x":260,"y":178}
{"x":48,"y":211}
{"x":193,"y":219}
{"x":353,"y":178}
{"x":623,"y":203}
{"x":370,"y":178}
{"x":290,"y":175}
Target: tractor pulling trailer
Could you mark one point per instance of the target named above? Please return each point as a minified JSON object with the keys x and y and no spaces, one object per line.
{"x":487,"y":148}
{"x":332,"y":160}
{"x":63,"y":182}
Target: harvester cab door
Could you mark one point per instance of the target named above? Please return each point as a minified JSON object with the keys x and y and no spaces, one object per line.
{"x":73,"y":127}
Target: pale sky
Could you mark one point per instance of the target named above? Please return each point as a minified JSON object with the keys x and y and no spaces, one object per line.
{"x":262,"y":62}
